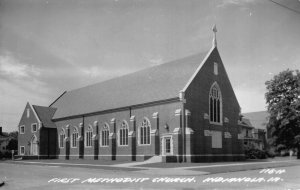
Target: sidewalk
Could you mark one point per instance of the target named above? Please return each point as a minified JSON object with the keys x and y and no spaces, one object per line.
{"x":178,"y":169}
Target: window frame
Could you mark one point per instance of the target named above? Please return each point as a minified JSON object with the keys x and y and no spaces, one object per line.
{"x":61,"y":141}
{"x":76,"y":134}
{"x":215,"y":108}
{"x":146,"y":133}
{"x":88,"y":142}
{"x":36,"y":127}
{"x":123,"y":134}
{"x":104,"y":136}
{"x":22,"y":126}
{"x":21,"y":150}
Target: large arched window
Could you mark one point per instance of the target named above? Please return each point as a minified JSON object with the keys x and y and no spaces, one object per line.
{"x":74,"y":138}
{"x":105,"y":135}
{"x":61,"y":138}
{"x":145,"y":132}
{"x":123,"y":134}
{"x":88,"y":136}
{"x":215,"y":104}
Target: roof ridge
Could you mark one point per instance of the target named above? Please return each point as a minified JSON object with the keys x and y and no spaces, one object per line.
{"x":255,"y":112}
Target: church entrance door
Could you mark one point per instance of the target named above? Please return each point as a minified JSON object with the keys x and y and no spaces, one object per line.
{"x":33,"y":146}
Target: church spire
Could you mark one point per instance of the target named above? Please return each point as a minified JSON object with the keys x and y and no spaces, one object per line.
{"x":215,"y":35}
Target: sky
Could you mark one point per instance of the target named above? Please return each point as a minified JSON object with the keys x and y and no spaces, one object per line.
{"x":48,"y":47}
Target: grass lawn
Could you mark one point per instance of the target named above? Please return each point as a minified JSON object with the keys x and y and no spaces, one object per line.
{"x":176,"y":165}
{"x":226,"y":169}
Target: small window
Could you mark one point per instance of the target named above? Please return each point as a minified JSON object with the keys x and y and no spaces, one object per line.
{"x":88,"y":137}
{"x":216,"y":68}
{"x":34,"y":127}
{"x":105,"y":135}
{"x":123,"y":134}
{"x":28,"y":112}
{"x":22,"y":150}
{"x":22,"y":129}
{"x":61,"y":138}
{"x":74,"y":138}
{"x":168,"y":145}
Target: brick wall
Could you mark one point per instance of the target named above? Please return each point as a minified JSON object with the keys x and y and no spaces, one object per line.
{"x":24,"y":139}
{"x":197,"y":97}
{"x":165,"y":117}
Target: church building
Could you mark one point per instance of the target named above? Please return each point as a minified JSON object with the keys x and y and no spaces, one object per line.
{"x":181,"y":111}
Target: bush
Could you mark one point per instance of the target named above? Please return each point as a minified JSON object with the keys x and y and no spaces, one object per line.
{"x":7,"y":154}
{"x":271,"y":154}
{"x":254,"y":153}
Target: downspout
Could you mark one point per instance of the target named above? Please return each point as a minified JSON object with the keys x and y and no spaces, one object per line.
{"x":48,"y":131}
{"x":183,"y":100}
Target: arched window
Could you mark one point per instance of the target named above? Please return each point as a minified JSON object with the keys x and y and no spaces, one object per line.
{"x":88,"y":136}
{"x":145,"y":132}
{"x":105,"y":135}
{"x":123,"y":134}
{"x":74,"y":138}
{"x":61,"y":138}
{"x":215,"y":104}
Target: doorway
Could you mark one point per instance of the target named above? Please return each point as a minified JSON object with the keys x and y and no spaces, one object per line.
{"x":167,"y":145}
{"x":33,"y":146}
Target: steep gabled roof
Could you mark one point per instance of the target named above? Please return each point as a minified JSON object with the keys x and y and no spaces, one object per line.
{"x":156,"y":83}
{"x":258,"y":119}
{"x":45,"y":115}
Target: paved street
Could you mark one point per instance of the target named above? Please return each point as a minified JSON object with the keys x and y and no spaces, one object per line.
{"x":32,"y":176}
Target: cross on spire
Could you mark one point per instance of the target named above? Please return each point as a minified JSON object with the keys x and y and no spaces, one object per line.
{"x":215,"y":35}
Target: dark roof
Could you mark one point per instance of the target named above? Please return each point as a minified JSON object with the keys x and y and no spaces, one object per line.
{"x":4,"y":136}
{"x":258,"y":119}
{"x":247,"y":122}
{"x":45,"y":114}
{"x":156,"y":83}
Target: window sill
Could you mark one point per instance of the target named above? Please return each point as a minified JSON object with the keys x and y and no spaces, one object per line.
{"x":144,"y":144}
{"x":215,"y":123}
{"x":123,"y":145}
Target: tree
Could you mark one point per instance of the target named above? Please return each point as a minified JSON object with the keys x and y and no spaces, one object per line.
{"x":283,"y":99}
{"x":12,"y":144}
{"x":13,"y":134}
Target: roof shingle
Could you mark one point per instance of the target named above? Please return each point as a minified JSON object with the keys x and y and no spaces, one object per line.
{"x":45,"y":114}
{"x":153,"y":84}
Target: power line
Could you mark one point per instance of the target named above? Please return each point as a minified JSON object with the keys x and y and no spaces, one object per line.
{"x":296,"y":11}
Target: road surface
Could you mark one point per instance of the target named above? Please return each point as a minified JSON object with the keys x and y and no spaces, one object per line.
{"x":19,"y":176}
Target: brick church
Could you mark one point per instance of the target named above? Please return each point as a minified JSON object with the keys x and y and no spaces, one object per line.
{"x":181,"y":111}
